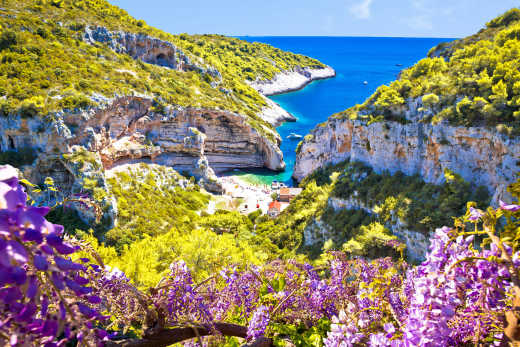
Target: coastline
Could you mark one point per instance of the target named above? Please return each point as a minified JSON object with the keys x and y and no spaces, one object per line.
{"x":291,"y":81}
{"x":274,"y":114}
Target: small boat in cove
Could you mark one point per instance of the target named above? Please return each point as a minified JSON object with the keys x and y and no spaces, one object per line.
{"x":294,"y":136}
{"x":365,"y":82}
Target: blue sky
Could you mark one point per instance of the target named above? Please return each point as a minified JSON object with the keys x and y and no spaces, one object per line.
{"x":416,"y":18}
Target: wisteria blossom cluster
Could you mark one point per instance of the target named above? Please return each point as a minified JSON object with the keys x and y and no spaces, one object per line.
{"x":45,"y":298}
{"x":49,"y":294}
{"x":458,"y":296}
{"x":462,"y":294}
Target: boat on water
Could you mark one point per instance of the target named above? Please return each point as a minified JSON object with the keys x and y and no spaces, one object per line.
{"x":275,"y":185}
{"x":294,"y":136}
{"x":365,"y":82}
{"x":398,"y":64}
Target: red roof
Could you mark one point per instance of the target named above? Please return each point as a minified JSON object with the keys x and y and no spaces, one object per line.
{"x":275,"y":204}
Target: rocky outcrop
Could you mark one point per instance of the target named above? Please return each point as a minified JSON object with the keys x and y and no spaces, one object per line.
{"x":181,"y":136}
{"x":147,"y":49}
{"x":289,"y":81}
{"x":417,"y":243}
{"x":194,"y":140}
{"x":482,"y":156}
{"x":319,"y":231}
{"x":274,"y":114}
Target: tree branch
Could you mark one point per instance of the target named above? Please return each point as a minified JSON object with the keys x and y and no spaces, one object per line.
{"x":167,"y":337}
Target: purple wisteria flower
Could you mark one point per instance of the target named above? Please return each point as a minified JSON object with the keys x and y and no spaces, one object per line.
{"x":343,"y":332}
{"x":509,"y":207}
{"x":258,"y":323}
{"x":32,"y":250}
{"x":475,"y":214}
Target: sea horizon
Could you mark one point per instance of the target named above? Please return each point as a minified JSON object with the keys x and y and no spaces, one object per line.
{"x":346,"y":36}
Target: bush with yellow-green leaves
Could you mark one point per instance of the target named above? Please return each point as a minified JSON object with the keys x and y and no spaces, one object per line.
{"x":46,"y":66}
{"x":474,"y":82}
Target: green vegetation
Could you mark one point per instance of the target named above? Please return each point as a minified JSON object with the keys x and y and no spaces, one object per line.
{"x":488,"y":33}
{"x":475,"y":82}
{"x":150,"y":203}
{"x":422,"y":206}
{"x":371,"y":241}
{"x":69,"y":218}
{"x":162,"y":219}
{"x":345,"y":223}
{"x":45,"y":66}
{"x":147,"y":260}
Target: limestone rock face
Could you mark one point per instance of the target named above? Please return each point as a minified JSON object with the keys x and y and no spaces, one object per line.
{"x":480,"y":155}
{"x":274,"y":114}
{"x":197,"y":141}
{"x":417,"y":243}
{"x":288,"y":81}
{"x":147,"y":49}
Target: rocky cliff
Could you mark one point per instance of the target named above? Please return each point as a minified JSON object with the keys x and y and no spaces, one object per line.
{"x":165,"y":54}
{"x":481,"y":155}
{"x":188,"y":139}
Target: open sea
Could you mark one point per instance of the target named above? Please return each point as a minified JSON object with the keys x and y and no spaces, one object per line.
{"x":377,"y":60}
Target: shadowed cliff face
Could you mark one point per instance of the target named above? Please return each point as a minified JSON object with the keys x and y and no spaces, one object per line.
{"x":480,"y":155}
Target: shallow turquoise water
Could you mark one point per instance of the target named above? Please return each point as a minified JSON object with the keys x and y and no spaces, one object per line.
{"x":355,"y":59}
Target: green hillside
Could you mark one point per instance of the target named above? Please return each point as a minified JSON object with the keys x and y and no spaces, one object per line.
{"x":474,"y":82}
{"x":46,"y":66}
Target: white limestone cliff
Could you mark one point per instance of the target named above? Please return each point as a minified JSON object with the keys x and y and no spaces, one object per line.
{"x":481,"y":155}
{"x":188,"y":139}
{"x":289,"y":81}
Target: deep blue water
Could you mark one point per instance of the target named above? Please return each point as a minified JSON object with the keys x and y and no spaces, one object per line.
{"x":355,"y":59}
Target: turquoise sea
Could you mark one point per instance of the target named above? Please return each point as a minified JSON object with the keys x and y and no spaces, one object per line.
{"x":376,"y":60}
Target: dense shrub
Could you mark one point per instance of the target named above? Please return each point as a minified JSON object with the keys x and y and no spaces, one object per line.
{"x":19,"y":157}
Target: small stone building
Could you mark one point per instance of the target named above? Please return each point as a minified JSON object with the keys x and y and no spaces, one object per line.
{"x":287,"y":194}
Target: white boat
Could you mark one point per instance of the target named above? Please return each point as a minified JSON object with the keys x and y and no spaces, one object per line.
{"x":294,"y":136}
{"x":365,"y":82}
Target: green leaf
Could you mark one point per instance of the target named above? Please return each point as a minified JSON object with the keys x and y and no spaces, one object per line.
{"x":27,"y":183}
